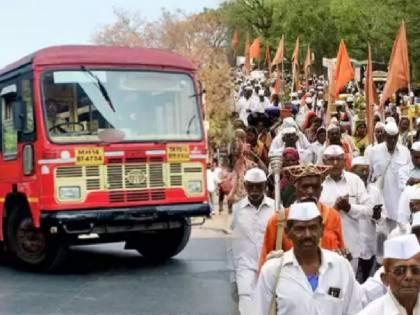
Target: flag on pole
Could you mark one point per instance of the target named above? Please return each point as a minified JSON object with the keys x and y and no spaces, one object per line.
{"x":268,"y":59}
{"x":295,"y":56}
{"x":295,"y":66}
{"x":279,"y":56}
{"x":247,"y":64}
{"x":255,"y":51}
{"x":307,"y":65}
{"x":235,"y":41}
{"x":398,"y":68}
{"x":343,"y":71}
{"x":371,"y":97}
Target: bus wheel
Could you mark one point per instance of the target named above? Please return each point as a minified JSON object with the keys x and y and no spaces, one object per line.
{"x":162,"y":245}
{"x":31,"y":247}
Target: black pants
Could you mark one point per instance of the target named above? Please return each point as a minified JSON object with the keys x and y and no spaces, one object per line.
{"x":364,"y":269}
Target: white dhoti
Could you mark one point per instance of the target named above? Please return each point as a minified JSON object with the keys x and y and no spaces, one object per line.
{"x":246,"y":281}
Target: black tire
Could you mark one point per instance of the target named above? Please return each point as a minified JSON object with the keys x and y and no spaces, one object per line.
{"x":32,"y":248}
{"x":162,"y":245}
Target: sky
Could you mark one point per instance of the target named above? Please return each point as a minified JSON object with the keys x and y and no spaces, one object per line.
{"x":29,"y":25}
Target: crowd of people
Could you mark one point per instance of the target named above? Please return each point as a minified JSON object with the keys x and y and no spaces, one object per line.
{"x":344,"y":239}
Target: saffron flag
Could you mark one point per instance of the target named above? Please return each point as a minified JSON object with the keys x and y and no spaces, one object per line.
{"x":247,"y":64}
{"x":295,"y":67}
{"x":268,"y":59}
{"x":371,"y":97}
{"x":254,"y":50}
{"x":398,"y":68}
{"x":308,"y":64}
{"x":343,"y":70}
{"x":279,"y":57}
{"x":235,"y":41}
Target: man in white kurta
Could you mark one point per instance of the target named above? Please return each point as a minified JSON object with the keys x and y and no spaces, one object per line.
{"x":306,"y":280}
{"x":360,"y":167}
{"x":410,"y":173}
{"x":243,"y":106}
{"x":250,"y":217}
{"x":385,"y":161}
{"x":346,"y":192}
{"x":403,"y":297}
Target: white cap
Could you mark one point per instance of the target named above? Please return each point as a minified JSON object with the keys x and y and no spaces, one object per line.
{"x":390,"y":119}
{"x":294,"y":94}
{"x":379,"y":125}
{"x":416,"y":146}
{"x":332,"y":126}
{"x":334,"y":150}
{"x":308,"y":100}
{"x":413,"y":192}
{"x":295,"y":102}
{"x":289,"y":122}
{"x":416,"y":219}
{"x":303,"y":211}
{"x":340,"y":103}
{"x":255,"y":175}
{"x":391,"y":128}
{"x":312,"y":90}
{"x":359,"y":160}
{"x":261,"y":93}
{"x":350,"y":99}
{"x":401,"y":247}
{"x":288,"y":131}
{"x":248,"y":87}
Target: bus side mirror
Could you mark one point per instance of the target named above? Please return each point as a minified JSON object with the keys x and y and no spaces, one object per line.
{"x":19,"y":115}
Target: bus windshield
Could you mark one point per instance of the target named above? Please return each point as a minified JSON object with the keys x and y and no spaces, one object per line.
{"x":92,"y":106}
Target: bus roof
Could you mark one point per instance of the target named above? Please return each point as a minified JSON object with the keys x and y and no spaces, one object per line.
{"x":85,"y":54}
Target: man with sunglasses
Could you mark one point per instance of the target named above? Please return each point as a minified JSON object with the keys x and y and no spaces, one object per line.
{"x":402,"y":276}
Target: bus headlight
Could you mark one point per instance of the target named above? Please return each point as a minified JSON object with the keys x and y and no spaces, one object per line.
{"x":69,"y":193}
{"x":194,"y":187}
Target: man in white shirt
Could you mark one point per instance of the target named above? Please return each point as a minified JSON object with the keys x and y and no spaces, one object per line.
{"x":379,"y":137}
{"x":306,"y":280}
{"x":290,"y":139}
{"x":317,"y":147}
{"x":250,"y":216}
{"x":360,"y":167}
{"x":346,"y":192}
{"x":385,"y":160}
{"x":402,"y":276}
{"x":243,"y":106}
{"x":261,"y":103}
{"x":410,"y":173}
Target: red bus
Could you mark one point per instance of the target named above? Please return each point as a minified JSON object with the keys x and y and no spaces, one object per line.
{"x":100,"y":144}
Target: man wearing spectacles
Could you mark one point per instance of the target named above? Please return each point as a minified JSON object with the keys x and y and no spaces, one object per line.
{"x":402,"y":276}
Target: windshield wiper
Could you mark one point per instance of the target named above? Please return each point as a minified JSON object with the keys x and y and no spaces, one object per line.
{"x":101,"y":87}
{"x":189,"y":123}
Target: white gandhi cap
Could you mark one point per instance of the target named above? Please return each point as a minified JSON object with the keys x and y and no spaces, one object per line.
{"x":255,"y":175}
{"x":334,"y":150}
{"x":416,"y":146}
{"x":288,"y":131}
{"x":401,"y":247}
{"x":413,"y":192}
{"x":303,"y":211}
{"x":391,"y":128}
{"x":416,"y":219}
{"x":359,"y":160}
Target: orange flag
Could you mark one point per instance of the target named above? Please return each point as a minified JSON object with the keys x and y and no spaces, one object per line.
{"x":308,"y":63}
{"x":343,"y":70}
{"x":247,"y":64}
{"x":268,"y":59}
{"x":398,"y":68}
{"x":279,"y":57}
{"x":295,"y":56}
{"x":370,"y":97}
{"x":255,"y":51}
{"x":235,"y":41}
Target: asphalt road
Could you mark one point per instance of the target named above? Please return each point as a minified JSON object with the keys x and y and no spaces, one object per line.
{"x":105,"y":279}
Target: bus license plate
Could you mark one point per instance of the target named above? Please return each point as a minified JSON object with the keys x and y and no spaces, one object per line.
{"x":178,"y":153}
{"x":89,"y":156}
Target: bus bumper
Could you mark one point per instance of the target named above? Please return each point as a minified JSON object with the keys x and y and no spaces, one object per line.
{"x":120,"y":220}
